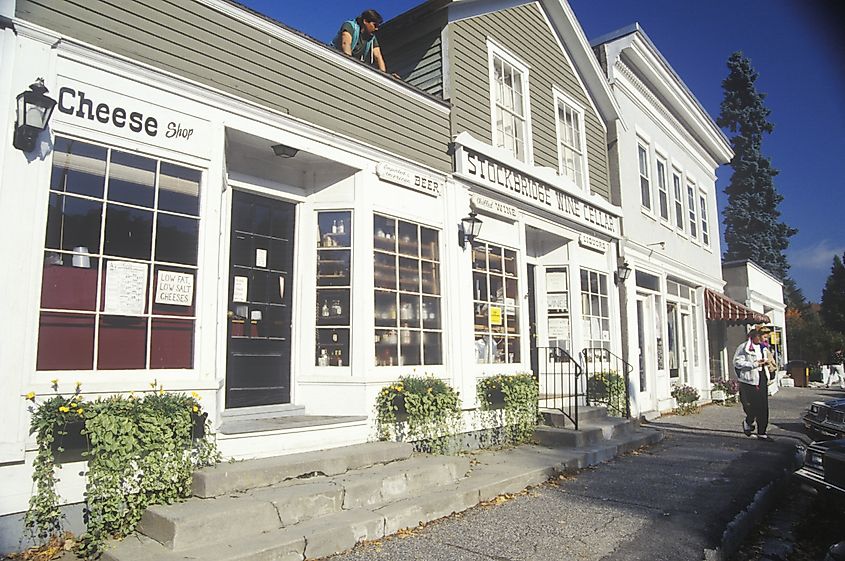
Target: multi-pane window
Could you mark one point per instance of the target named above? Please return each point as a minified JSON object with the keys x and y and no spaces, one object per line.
{"x":693,"y":220}
{"x":509,"y":113}
{"x":120,"y":262}
{"x":406,"y":271}
{"x":662,"y":190}
{"x":645,"y":183}
{"x":679,"y":202}
{"x":570,"y":146}
{"x":334,"y":278}
{"x":705,"y":226}
{"x":496,"y":302}
{"x":595,"y":309}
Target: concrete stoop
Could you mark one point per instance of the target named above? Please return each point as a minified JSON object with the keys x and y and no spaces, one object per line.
{"x":316,"y":504}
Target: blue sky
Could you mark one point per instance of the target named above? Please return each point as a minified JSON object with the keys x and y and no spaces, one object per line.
{"x":796,"y":47}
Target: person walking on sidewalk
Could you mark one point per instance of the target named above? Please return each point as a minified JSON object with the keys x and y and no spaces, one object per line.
{"x":837,"y":369}
{"x":751,"y":366}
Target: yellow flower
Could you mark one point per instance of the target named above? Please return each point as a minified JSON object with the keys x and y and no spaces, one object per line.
{"x":429,"y":390}
{"x":78,"y":385}
{"x":196,"y":409}
{"x":161,"y":391}
{"x":31,"y":396}
{"x":64,"y":409}
{"x":196,"y":396}
{"x":80,"y":411}
{"x":73,"y":405}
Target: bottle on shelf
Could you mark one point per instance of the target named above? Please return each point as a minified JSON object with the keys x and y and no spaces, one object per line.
{"x":340,"y":227}
{"x":337,"y":309}
{"x":334,"y":226}
{"x":325,"y":311}
{"x":324,"y":358}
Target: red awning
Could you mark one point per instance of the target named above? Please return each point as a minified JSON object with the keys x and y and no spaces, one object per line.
{"x":721,"y":308}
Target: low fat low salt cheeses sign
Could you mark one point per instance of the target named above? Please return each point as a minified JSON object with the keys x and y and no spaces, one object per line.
{"x":175,"y":289}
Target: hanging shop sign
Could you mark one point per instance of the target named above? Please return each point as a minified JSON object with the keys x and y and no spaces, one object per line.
{"x":94,"y":107}
{"x":405,"y":177}
{"x":592,"y":242}
{"x":492,"y":206}
{"x":518,"y":185}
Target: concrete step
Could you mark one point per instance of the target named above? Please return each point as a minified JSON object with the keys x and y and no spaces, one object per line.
{"x":587,"y":415}
{"x":250,"y":474}
{"x":570,"y":438}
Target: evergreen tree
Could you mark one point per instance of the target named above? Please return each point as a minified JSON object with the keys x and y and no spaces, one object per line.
{"x":753,"y":229}
{"x":793,"y":296}
{"x":833,"y":296}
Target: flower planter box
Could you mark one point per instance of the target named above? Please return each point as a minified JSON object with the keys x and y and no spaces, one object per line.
{"x":69,"y":437}
{"x":495,"y":398}
{"x":718,"y":395}
{"x":198,"y":425}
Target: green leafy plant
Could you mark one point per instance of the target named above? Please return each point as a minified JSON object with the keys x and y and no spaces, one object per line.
{"x":141,"y":450}
{"x":424,"y":410}
{"x":517,"y":395}
{"x":687,"y":398}
{"x":608,"y":388}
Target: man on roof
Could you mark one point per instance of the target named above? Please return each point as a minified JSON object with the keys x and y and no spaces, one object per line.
{"x":357,"y":39}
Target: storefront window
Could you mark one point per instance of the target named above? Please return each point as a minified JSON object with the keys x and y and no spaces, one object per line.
{"x":406,"y":273}
{"x":334,"y":266}
{"x":495,"y":304}
{"x":120,"y":262}
{"x":595,"y":309}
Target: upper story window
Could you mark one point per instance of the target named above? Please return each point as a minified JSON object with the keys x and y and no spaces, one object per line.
{"x":120,"y":261}
{"x":509,"y":102}
{"x":662,"y":190}
{"x":570,"y":140}
{"x":693,"y":220}
{"x":705,"y":226}
{"x":679,"y":201}
{"x":645,"y":181}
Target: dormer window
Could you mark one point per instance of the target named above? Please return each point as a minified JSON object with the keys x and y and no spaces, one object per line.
{"x":509,"y":102}
{"x":570,"y":140}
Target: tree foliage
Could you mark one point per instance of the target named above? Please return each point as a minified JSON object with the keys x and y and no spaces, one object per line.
{"x":833,"y":296}
{"x":753,"y":229}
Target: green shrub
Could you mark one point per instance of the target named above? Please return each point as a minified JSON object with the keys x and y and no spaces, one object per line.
{"x":608,"y":388}
{"x":140,"y":451}
{"x":424,"y":410}
{"x":518,"y":394}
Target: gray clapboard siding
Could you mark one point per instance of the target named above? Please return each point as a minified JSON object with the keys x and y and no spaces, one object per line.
{"x":195,"y":41}
{"x":534,"y":43}
{"x":412,"y":49}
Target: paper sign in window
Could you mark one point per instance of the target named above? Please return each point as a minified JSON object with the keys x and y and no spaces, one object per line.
{"x":556,"y":282}
{"x":495,"y":315}
{"x":126,"y":288}
{"x":559,"y":328}
{"x":260,"y":257}
{"x":240,"y":289}
{"x":174,"y":289}
{"x":556,"y":301}
{"x":282,"y":288}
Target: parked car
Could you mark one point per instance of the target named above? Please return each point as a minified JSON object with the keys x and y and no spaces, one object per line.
{"x":826,"y":419}
{"x":824,"y":467}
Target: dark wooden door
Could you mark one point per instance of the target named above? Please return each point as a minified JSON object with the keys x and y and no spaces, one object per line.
{"x":259,"y":317}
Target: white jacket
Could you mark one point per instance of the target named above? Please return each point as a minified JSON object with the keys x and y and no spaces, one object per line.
{"x":745,"y":363}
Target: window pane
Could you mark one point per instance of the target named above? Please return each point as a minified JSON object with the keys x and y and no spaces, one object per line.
{"x":129,"y":232}
{"x":65,"y":342}
{"x":179,"y":189}
{"x":69,"y":282}
{"x":385,"y":271}
{"x":332,"y":347}
{"x":409,"y":348}
{"x":73,"y":223}
{"x":432,"y":348}
{"x":123,"y":343}
{"x":409,"y":274}
{"x":78,"y":167}
{"x":172,"y":343}
{"x":409,"y":311}
{"x":333,"y":267}
{"x":408,"y":240}
{"x":428,"y":244}
{"x":430,"y":312}
{"x":385,"y":308}
{"x":132,"y":179}
{"x":430,"y":277}
{"x":384,"y":233}
{"x":387,"y":349}
{"x":177,"y":239}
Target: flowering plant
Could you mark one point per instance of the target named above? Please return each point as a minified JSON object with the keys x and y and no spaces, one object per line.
{"x":423,"y":409}
{"x":519,"y":396}
{"x":730,"y":387}
{"x":686,"y":396}
{"x":141,"y":450}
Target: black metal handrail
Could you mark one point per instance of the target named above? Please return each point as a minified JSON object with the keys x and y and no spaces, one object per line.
{"x":557,"y":375}
{"x":607,"y":381}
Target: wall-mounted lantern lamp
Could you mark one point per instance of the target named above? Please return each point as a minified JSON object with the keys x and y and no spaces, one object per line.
{"x":469,"y":230}
{"x":284,"y":151}
{"x":34,"y":109}
{"x":622,"y":273}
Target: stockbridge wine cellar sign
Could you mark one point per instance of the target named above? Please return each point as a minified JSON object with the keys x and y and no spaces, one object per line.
{"x":495,"y":175}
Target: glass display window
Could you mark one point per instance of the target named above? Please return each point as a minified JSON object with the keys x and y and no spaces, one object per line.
{"x":406,"y":276}
{"x":595,"y":309}
{"x":334,"y":288}
{"x":120,"y":262}
{"x":496,"y":304}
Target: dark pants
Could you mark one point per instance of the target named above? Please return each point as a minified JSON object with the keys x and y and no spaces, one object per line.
{"x":755,"y":403}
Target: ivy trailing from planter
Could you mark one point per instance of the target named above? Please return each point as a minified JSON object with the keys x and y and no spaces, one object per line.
{"x":140,"y":451}
{"x":517,"y":395}
{"x":422,"y":410}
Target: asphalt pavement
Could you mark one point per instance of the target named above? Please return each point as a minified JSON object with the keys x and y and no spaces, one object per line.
{"x":692,"y":496}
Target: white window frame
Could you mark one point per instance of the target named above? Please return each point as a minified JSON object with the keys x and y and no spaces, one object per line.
{"x":692,"y":213}
{"x":678,"y":200}
{"x":562,"y":100}
{"x":494,"y":50}
{"x":704,"y":217}
{"x":662,"y":186}
{"x":644,"y":175}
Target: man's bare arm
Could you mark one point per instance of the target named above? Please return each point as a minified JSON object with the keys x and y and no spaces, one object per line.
{"x":379,"y":59}
{"x":346,"y":42}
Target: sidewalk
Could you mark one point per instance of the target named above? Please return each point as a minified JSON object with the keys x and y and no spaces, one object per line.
{"x":672,"y":501}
